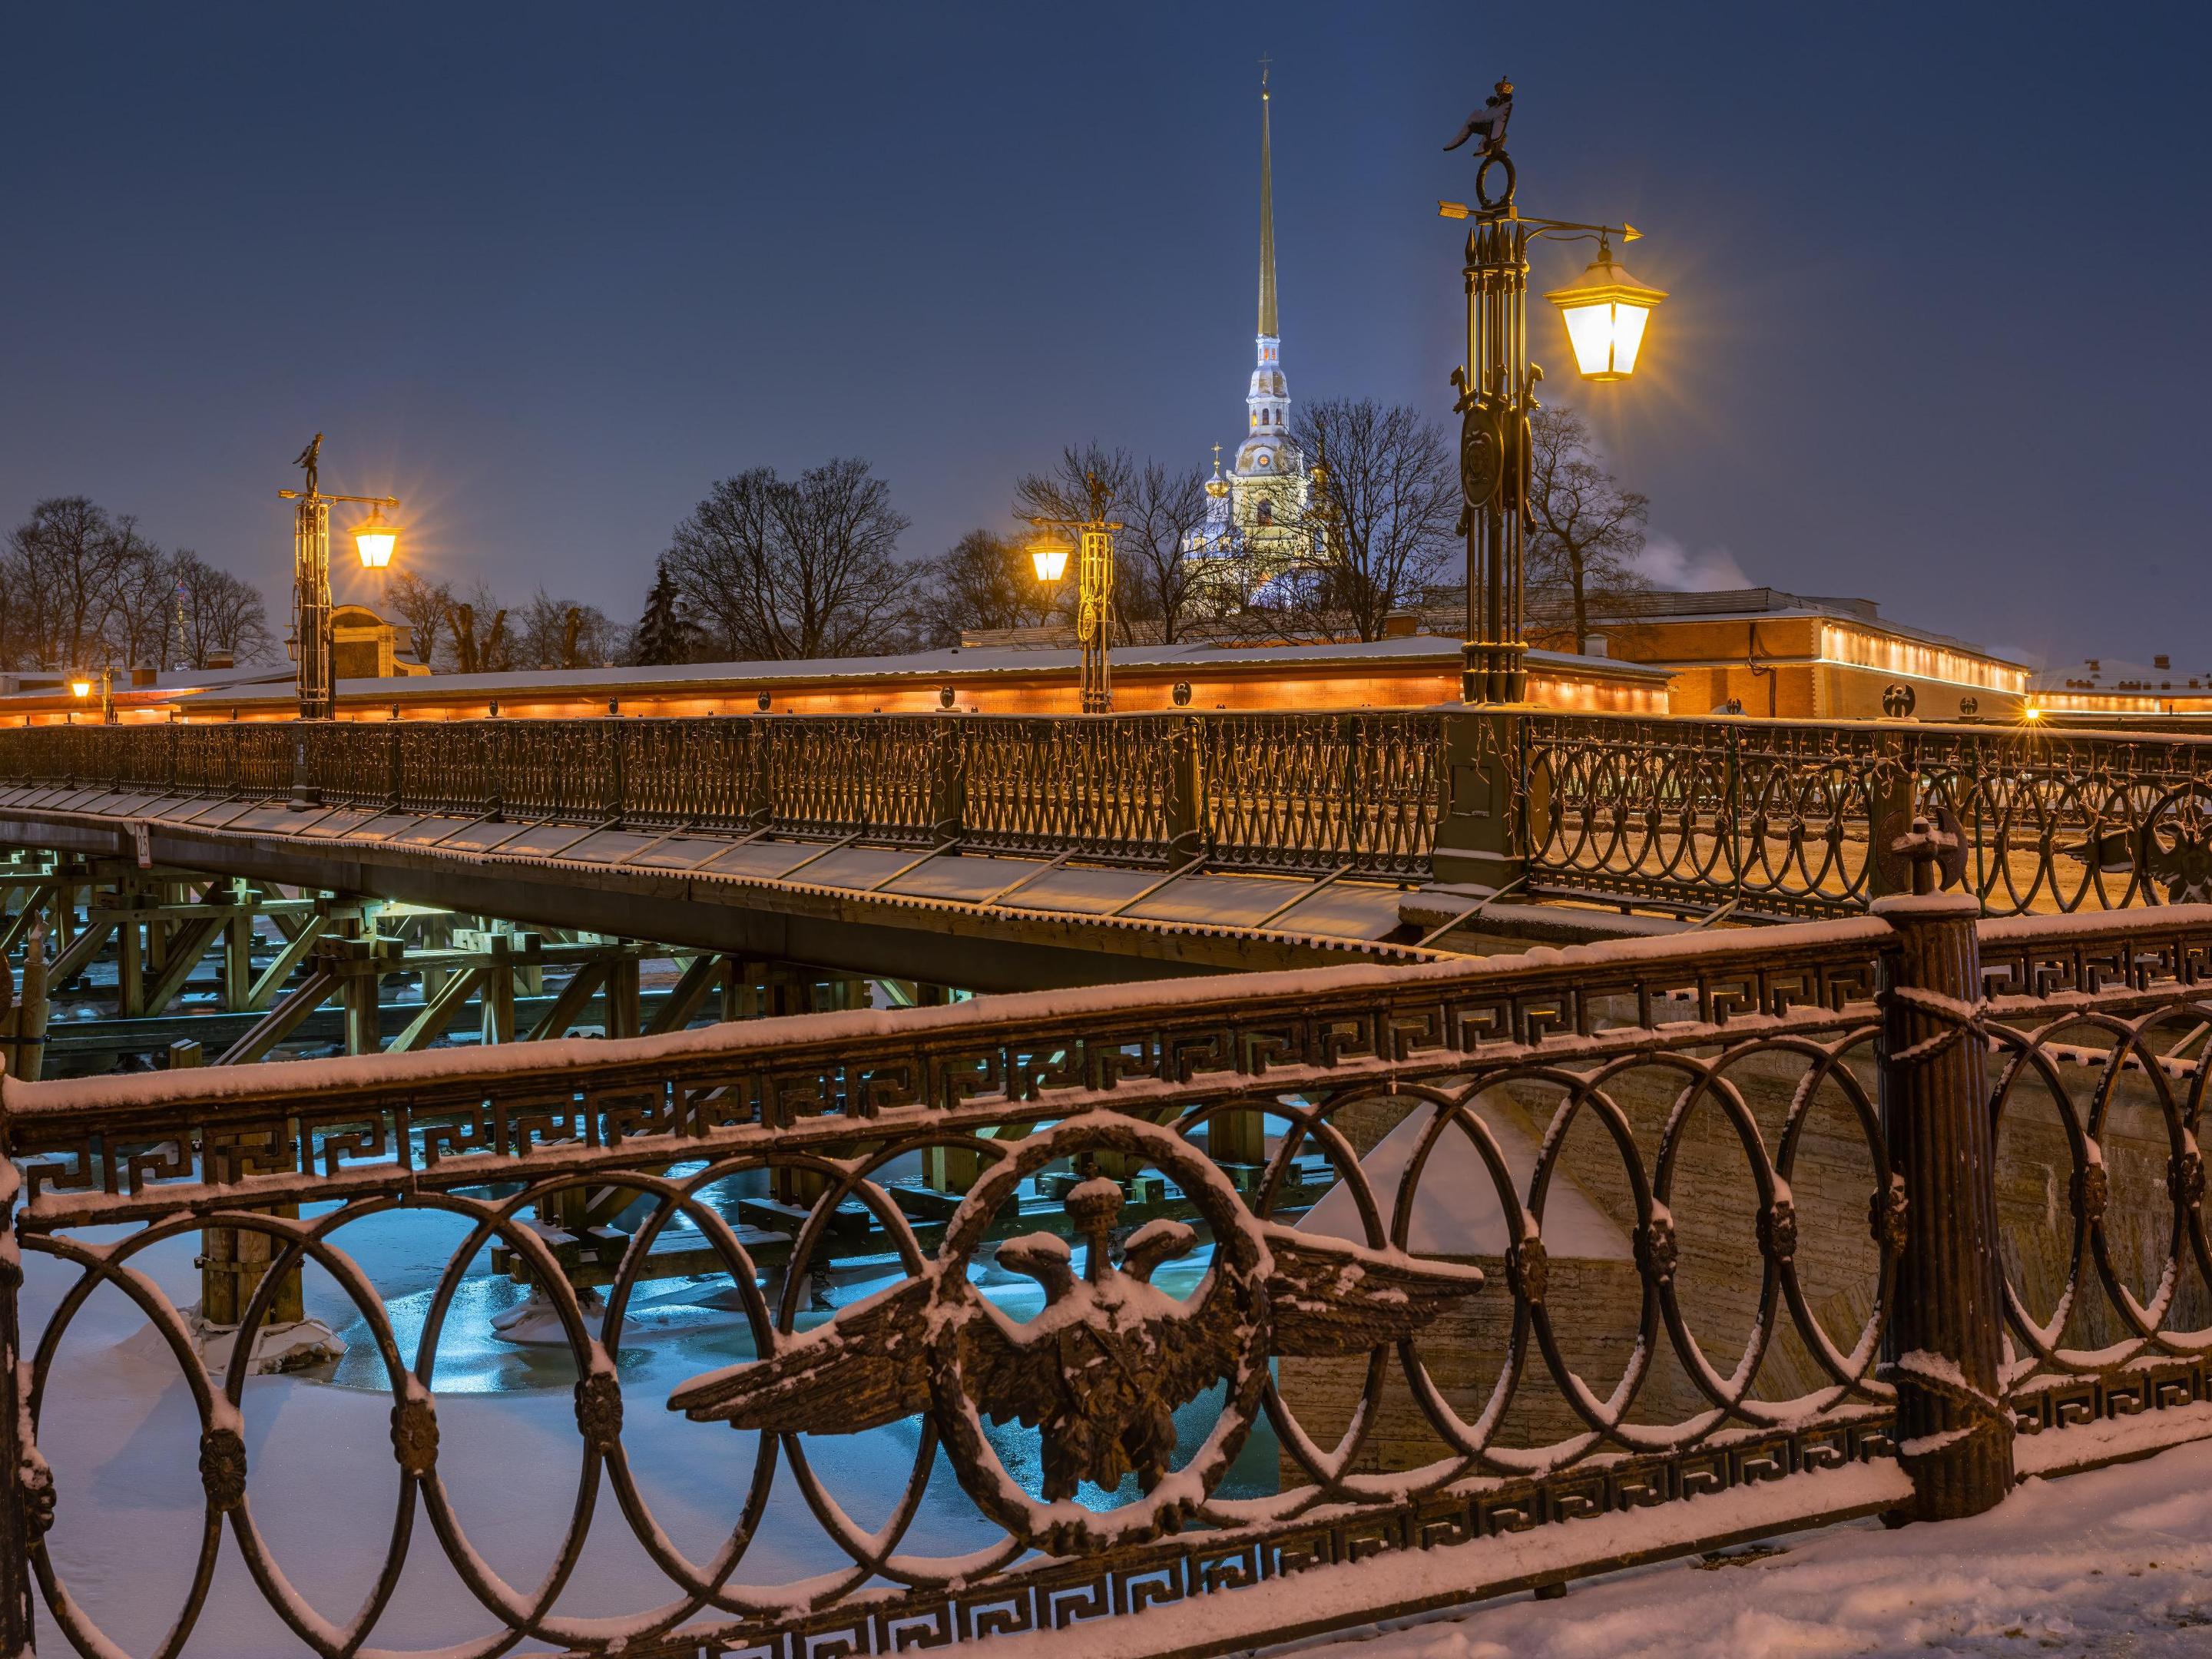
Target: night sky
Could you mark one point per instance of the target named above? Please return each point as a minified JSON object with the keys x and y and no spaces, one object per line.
{"x":1938,"y":334}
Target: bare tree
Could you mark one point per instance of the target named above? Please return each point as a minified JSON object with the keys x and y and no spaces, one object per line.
{"x":59,"y":578}
{"x":81,"y":589}
{"x":1585,"y":530}
{"x":1163,"y":507}
{"x":423,"y":606}
{"x":564,"y":634}
{"x":777,"y":568}
{"x":142,"y":586}
{"x":221,"y":615}
{"x":982,"y":580}
{"x":482,"y":641}
{"x":1377,"y":522}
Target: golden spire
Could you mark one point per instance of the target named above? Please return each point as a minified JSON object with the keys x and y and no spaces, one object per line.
{"x":1268,"y":324}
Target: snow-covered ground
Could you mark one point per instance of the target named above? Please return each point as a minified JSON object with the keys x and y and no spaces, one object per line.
{"x":2118,"y":1562}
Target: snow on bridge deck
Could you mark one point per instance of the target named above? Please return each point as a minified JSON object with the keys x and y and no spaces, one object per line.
{"x":1194,"y":921}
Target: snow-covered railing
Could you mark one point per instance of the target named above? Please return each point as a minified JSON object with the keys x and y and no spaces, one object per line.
{"x":1771,"y":817}
{"x":1279,"y":791}
{"x":1785,"y":818}
{"x":1415,"y":1284}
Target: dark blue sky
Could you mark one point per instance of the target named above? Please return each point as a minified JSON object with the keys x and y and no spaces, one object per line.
{"x":1938,"y":333}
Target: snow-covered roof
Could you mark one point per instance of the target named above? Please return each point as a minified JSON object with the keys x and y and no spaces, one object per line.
{"x":1201,"y":657}
{"x":169,"y":684}
{"x":2111,"y":674}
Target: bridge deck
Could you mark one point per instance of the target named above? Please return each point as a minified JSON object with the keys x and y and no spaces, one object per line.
{"x":1011,"y":922}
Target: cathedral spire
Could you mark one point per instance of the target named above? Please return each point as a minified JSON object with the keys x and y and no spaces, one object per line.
{"x":1267,"y":326}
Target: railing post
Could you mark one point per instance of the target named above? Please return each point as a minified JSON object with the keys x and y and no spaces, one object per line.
{"x":760,"y":808}
{"x":618,"y":802}
{"x":1944,"y":1345}
{"x":1186,"y":801}
{"x":1480,"y":841}
{"x":1890,"y":799}
{"x":28,"y":1502}
{"x":948,"y":780}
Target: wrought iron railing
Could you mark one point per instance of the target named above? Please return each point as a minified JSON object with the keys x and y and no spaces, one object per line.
{"x":1262,"y":792}
{"x":1532,"y":1243}
{"x":1789,"y":818}
{"x":1775,"y":818}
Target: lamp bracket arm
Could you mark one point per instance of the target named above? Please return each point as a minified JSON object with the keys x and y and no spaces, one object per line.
{"x":322,"y":495}
{"x":1568,"y":230}
{"x":1552,"y":227}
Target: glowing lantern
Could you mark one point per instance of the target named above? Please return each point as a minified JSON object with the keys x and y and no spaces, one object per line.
{"x":375,"y":540}
{"x":1605,"y":310}
{"x":1050,"y":559}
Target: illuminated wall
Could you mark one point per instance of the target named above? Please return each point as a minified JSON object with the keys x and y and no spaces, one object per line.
{"x":1891,"y":654}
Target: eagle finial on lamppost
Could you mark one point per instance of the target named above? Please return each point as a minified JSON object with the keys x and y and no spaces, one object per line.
{"x":310,"y":457}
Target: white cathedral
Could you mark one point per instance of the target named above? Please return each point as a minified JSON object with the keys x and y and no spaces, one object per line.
{"x":1253,"y":516}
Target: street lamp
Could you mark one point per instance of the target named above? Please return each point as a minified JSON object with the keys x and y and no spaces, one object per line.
{"x":81,"y":687}
{"x":1094,"y":591}
{"x":1050,"y":559}
{"x":374,"y":540}
{"x":1605,"y":312}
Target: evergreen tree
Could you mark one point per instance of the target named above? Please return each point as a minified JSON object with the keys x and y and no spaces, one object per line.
{"x":664,"y":633}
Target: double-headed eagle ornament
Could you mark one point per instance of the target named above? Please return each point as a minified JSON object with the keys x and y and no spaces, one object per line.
{"x":1101,"y":1370}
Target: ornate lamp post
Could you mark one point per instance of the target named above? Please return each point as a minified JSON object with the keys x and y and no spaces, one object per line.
{"x":1604,"y":313}
{"x":374,"y":540}
{"x":1094,"y":593}
{"x":81,"y":687}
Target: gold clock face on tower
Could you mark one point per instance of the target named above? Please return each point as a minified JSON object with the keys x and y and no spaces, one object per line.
{"x":1264,"y":459}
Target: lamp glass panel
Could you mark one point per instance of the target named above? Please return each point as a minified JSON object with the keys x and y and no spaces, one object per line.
{"x":375,"y":542}
{"x":1589,"y":331}
{"x":82,"y":688}
{"x":1628,"y":323}
{"x":1051,"y":562}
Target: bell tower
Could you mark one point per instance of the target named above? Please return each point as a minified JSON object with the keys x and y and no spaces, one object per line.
{"x":1267,"y":483}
